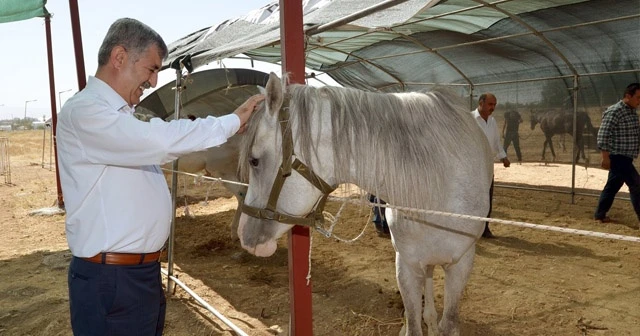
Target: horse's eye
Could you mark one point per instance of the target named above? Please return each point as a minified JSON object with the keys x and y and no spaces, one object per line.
{"x":254,"y":162}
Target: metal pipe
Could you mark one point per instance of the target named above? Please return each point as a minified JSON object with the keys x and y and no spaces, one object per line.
{"x":355,"y":16}
{"x":292,"y":39}
{"x":555,"y":191}
{"x":77,"y":44}
{"x":54,"y":112}
{"x":174,"y":187}
{"x":574,"y":92}
{"x":44,"y":140}
{"x":54,"y":122}
{"x":25,"y":108}
{"x":51,"y":148}
{"x":204,"y":303}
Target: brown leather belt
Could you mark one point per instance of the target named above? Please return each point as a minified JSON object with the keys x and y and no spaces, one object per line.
{"x":124,"y":259}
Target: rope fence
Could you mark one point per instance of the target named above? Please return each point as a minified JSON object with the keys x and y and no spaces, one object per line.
{"x":334,"y":219}
{"x":327,"y":233}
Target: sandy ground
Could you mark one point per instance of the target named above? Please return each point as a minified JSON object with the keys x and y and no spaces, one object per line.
{"x":525,"y":282}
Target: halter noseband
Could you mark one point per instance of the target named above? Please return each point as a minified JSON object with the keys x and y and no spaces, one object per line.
{"x":284,"y":171}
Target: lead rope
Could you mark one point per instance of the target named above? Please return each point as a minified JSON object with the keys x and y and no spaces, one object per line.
{"x":329,"y":233}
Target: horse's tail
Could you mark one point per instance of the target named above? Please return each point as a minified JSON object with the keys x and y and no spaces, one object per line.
{"x":587,"y":122}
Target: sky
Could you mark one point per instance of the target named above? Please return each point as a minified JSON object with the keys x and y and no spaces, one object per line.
{"x":24,"y":53}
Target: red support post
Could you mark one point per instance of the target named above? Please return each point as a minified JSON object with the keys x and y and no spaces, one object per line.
{"x":293,"y":61}
{"x":77,"y":44}
{"x":54,"y":110}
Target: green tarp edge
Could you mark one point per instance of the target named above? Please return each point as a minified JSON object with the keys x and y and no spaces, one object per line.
{"x":18,"y":10}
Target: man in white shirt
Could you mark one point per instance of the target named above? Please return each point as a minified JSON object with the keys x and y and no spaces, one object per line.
{"x":117,"y":201}
{"x":486,"y":104}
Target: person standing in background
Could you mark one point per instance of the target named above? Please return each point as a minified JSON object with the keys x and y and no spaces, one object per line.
{"x":619,"y":145}
{"x":510,"y":131}
{"x":486,"y":105}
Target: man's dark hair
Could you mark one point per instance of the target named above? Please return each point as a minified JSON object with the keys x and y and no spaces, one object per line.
{"x":631,"y":89}
{"x":134,"y":36}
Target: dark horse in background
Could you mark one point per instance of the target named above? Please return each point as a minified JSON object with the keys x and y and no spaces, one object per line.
{"x":552,"y":123}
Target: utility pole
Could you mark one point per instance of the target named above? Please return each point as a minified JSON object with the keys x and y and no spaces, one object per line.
{"x":25,"y":108}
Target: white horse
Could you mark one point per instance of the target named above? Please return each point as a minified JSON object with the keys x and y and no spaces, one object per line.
{"x":419,"y":150}
{"x":220,"y":162}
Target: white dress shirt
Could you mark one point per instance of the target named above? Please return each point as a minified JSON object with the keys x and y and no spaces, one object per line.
{"x":490,"y":129}
{"x":116,"y":197}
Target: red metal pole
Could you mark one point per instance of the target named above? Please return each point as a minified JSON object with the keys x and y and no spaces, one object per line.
{"x":77,"y":44}
{"x":54,"y":110}
{"x":300,"y":303}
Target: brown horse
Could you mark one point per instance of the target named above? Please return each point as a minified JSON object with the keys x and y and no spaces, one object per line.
{"x":552,"y":123}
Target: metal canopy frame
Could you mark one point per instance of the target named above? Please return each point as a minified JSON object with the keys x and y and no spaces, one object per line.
{"x":313,"y":45}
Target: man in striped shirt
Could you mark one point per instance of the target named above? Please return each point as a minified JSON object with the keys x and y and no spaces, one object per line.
{"x":618,"y":139}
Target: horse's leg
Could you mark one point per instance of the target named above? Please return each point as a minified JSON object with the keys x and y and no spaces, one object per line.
{"x":410,"y":280}
{"x":580,"y":145}
{"x":553,"y":152}
{"x":455,"y":279}
{"x":430,"y":315}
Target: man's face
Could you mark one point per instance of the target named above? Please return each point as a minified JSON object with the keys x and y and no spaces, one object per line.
{"x":488,"y":105}
{"x":633,"y":101}
{"x":141,"y":73}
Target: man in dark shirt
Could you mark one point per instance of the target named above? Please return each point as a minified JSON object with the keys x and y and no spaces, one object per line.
{"x":618,"y":140}
{"x":512,"y":121}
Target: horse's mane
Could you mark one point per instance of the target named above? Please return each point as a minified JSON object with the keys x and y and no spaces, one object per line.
{"x":400,"y":142}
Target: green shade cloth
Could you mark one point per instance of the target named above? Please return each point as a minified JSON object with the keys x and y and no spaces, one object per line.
{"x":18,"y":10}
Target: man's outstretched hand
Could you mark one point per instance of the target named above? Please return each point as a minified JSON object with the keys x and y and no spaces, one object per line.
{"x":244,"y":111}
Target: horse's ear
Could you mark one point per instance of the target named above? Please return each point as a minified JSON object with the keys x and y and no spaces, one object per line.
{"x":274,"y":94}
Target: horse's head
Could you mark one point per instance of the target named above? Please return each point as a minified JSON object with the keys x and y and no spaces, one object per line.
{"x":534,"y":120}
{"x":282,"y":189}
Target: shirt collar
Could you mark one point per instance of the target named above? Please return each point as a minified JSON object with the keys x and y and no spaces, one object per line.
{"x":476,"y":114}
{"x":110,"y":95}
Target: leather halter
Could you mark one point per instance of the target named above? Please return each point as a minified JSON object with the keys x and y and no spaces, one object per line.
{"x":284,"y":171}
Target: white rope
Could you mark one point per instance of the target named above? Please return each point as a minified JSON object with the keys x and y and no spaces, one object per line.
{"x":508,"y":222}
{"x":329,"y":233}
{"x":441,"y":213}
{"x":186,"y":205}
{"x":334,"y":220}
{"x":215,"y":179}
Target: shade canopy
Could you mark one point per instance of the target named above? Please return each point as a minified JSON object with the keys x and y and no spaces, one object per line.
{"x":420,"y":43}
{"x":210,"y":92}
{"x":557,"y":56}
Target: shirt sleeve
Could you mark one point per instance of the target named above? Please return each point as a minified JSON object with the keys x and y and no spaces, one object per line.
{"x":110,"y":137}
{"x":501,"y":153}
{"x":604,"y":137}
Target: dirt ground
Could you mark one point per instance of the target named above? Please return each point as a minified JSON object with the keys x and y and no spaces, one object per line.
{"x":525,"y":282}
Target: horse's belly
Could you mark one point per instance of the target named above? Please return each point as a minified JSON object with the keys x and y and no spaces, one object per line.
{"x":432,"y":243}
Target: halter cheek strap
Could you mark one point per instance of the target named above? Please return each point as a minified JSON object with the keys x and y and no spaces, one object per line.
{"x":284,"y":171}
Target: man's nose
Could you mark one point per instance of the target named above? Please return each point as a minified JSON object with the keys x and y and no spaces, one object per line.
{"x":154,"y":79}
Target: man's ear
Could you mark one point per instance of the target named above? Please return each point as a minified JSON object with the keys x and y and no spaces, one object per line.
{"x":118,"y":57}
